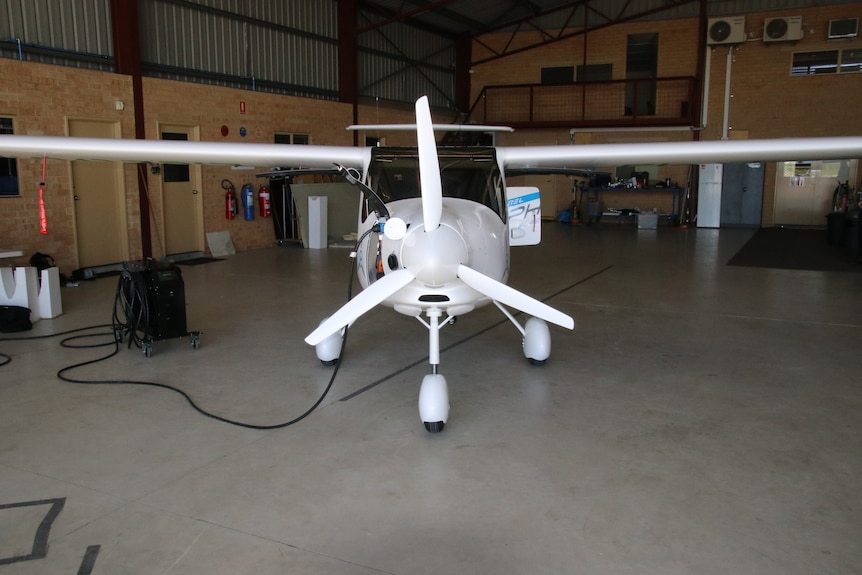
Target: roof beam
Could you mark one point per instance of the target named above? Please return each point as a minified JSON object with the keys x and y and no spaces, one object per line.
{"x":410,"y":17}
{"x":563,"y":34}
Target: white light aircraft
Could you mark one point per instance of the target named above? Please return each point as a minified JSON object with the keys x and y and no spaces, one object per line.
{"x":435,"y":222}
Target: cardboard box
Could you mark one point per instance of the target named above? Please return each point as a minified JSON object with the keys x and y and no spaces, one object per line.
{"x":647,"y":221}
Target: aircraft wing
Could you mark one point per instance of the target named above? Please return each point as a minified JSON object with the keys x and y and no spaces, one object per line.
{"x":182,"y":152}
{"x":592,"y":156}
{"x":580,"y":157}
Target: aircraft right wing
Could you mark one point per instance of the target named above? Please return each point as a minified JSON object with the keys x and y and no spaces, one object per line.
{"x":592,"y":156}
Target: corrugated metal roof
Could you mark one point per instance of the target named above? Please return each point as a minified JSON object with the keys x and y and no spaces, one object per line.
{"x":285,"y":46}
{"x":53,"y":29}
{"x":454,"y":18}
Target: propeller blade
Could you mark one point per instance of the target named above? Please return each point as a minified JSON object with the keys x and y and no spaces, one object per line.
{"x":506,"y":295}
{"x":429,"y":167}
{"x":364,"y":301}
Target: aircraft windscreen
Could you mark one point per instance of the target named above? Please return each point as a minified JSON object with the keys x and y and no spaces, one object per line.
{"x":466,"y":173}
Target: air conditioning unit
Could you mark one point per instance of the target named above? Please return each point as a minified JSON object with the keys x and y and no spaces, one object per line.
{"x":729,"y":30}
{"x":784,"y":29}
{"x":843,"y":28}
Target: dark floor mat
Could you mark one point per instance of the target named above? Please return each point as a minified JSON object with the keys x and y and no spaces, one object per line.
{"x":795,"y":249}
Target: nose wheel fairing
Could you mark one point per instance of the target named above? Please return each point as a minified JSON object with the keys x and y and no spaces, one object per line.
{"x":434,"y":402}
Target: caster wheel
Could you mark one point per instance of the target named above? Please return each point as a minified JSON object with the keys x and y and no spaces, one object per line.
{"x":148,"y":351}
{"x":434,"y":426}
{"x":536,"y":361}
{"x":329,"y":362}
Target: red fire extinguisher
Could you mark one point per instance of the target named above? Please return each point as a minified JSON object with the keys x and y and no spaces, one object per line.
{"x":230,"y":206}
{"x":265,"y":207}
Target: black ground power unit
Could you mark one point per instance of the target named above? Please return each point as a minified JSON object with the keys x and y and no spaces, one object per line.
{"x":153,"y":301}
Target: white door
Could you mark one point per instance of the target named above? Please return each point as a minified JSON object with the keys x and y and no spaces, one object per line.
{"x":182,"y":205}
{"x":99,"y":199}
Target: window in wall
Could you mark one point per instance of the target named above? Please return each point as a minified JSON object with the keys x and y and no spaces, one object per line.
{"x":8,"y":166}
{"x":291,"y":139}
{"x":851,"y":60}
{"x":175,"y":172}
{"x":595,"y":73}
{"x":810,"y":63}
{"x":558,"y":75}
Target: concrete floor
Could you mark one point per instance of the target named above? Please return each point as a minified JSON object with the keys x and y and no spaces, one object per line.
{"x":700,"y":419}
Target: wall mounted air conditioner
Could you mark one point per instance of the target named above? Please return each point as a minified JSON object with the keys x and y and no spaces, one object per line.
{"x":730,"y":30}
{"x":784,"y":29}
{"x":843,"y":28}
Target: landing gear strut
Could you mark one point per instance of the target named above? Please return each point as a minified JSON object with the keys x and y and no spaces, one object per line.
{"x":434,"y":393}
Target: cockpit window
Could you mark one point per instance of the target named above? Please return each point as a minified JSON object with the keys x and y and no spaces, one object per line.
{"x":466,"y":173}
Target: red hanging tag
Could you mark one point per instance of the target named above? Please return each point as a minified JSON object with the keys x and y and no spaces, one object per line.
{"x":43,"y":216}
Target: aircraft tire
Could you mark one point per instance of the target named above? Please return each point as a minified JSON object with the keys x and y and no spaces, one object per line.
{"x":434,"y":426}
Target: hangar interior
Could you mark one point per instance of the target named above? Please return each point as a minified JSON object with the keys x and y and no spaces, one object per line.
{"x":703,"y":415}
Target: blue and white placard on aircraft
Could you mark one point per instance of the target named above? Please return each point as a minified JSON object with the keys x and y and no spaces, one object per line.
{"x":525,"y":215}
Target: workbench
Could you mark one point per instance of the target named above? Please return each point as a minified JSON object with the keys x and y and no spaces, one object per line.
{"x":592,"y":201}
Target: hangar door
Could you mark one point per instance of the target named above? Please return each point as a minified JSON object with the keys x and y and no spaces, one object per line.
{"x":99,"y":200}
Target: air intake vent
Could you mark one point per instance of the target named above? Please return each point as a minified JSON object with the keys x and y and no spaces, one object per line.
{"x":725,"y":30}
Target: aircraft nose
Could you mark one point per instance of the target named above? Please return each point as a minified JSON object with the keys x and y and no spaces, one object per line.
{"x":433,"y":257}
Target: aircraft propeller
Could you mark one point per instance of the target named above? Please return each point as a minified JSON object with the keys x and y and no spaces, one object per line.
{"x":429,"y":167}
{"x":435,"y":257}
{"x":502,"y":293}
{"x":371,"y":296}
{"x":432,"y":212}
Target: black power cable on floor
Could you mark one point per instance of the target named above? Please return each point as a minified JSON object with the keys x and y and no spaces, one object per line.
{"x":131,"y":300}
{"x":62,"y":375}
{"x":116,"y":345}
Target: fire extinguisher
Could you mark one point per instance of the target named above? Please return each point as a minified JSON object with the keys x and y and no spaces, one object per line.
{"x":265,"y":207}
{"x":230,"y":206}
{"x":247,"y":201}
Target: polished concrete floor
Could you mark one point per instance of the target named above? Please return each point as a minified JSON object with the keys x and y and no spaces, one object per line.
{"x":701,"y":418}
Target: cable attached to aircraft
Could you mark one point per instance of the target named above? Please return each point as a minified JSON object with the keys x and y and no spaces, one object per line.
{"x":353,"y":176}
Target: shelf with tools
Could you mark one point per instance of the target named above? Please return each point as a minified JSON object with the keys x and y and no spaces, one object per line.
{"x":592,"y":204}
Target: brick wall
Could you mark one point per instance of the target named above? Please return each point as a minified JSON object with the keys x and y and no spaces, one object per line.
{"x":765,"y":102}
{"x":42,"y":98}
{"x":209,"y":108}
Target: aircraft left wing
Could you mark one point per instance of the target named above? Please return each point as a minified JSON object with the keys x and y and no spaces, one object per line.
{"x":592,"y":156}
{"x":182,"y":152}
